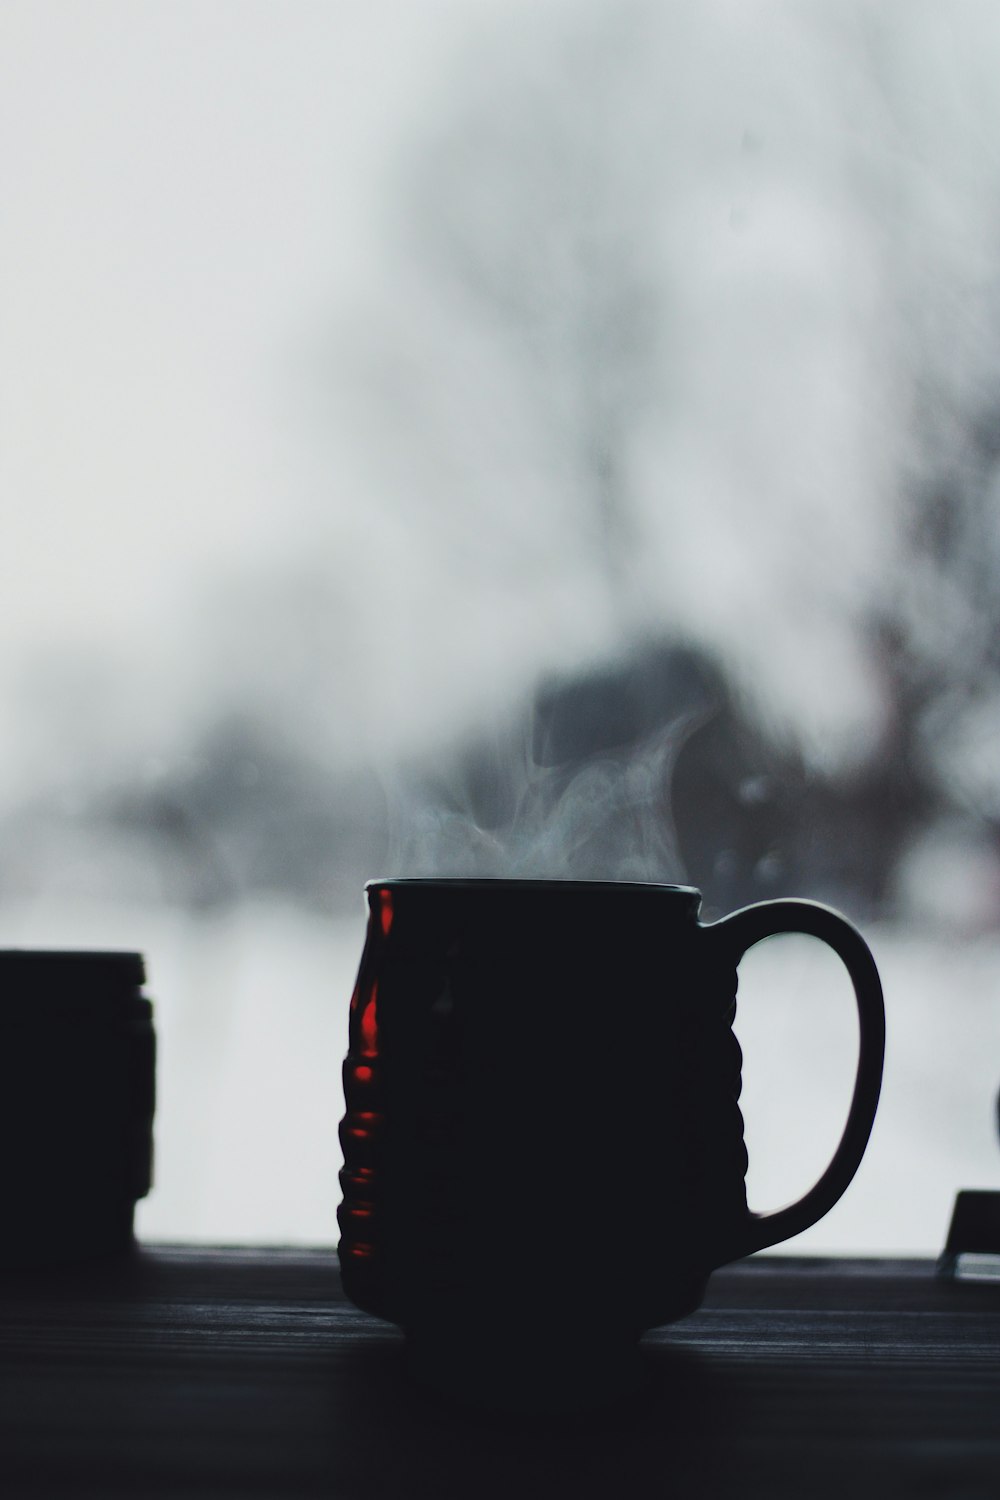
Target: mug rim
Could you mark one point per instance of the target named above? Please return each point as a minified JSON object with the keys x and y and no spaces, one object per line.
{"x":538,"y":883}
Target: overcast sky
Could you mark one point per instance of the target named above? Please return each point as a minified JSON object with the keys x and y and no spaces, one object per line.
{"x":187,"y":199}
{"x":199,"y":236}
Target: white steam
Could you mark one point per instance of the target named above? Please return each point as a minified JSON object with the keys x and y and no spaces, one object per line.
{"x":606,"y":817}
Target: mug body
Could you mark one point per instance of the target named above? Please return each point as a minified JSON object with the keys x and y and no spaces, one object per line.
{"x":541,"y":1098}
{"x":77,"y":1097}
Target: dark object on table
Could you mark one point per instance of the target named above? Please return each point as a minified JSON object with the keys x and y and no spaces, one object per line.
{"x":537,"y":1066}
{"x":972,"y":1250}
{"x":77,"y":1092}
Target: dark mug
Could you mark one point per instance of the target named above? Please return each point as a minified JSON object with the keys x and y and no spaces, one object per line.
{"x":543,"y":1146}
{"x":77,"y":1097}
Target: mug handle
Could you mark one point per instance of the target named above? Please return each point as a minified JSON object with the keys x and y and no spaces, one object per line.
{"x":738,"y":933}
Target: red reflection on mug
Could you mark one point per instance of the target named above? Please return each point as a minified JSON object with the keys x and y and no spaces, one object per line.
{"x":369,"y":1024}
{"x":385,"y":911}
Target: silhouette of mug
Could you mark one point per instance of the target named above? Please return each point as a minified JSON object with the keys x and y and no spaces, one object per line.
{"x":543,"y":1148}
{"x":77,"y":1099}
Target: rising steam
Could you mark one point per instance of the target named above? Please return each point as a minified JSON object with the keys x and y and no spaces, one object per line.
{"x":579,"y":788}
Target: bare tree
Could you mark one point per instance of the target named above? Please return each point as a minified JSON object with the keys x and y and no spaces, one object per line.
{"x":531,"y":208}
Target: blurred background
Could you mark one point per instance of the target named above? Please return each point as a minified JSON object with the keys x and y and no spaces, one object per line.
{"x":505,"y":438}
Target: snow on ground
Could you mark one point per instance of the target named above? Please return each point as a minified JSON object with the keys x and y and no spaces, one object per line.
{"x":251,"y":1011}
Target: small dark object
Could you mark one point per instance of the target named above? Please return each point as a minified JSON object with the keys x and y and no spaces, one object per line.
{"x":539,"y":1072}
{"x":972,"y":1249}
{"x":77,"y":1093}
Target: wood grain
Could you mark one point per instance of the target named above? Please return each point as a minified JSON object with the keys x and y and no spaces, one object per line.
{"x":223,"y":1373}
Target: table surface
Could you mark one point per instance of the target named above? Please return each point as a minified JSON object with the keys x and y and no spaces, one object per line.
{"x":236,"y":1372}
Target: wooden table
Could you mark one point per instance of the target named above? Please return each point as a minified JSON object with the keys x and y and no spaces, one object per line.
{"x":221,"y":1373}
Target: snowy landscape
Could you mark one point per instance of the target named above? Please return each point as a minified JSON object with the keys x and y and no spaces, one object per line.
{"x":507,"y":438}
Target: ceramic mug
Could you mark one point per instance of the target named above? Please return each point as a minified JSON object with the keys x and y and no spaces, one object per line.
{"x":543,"y":1146}
{"x":77,"y":1098}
